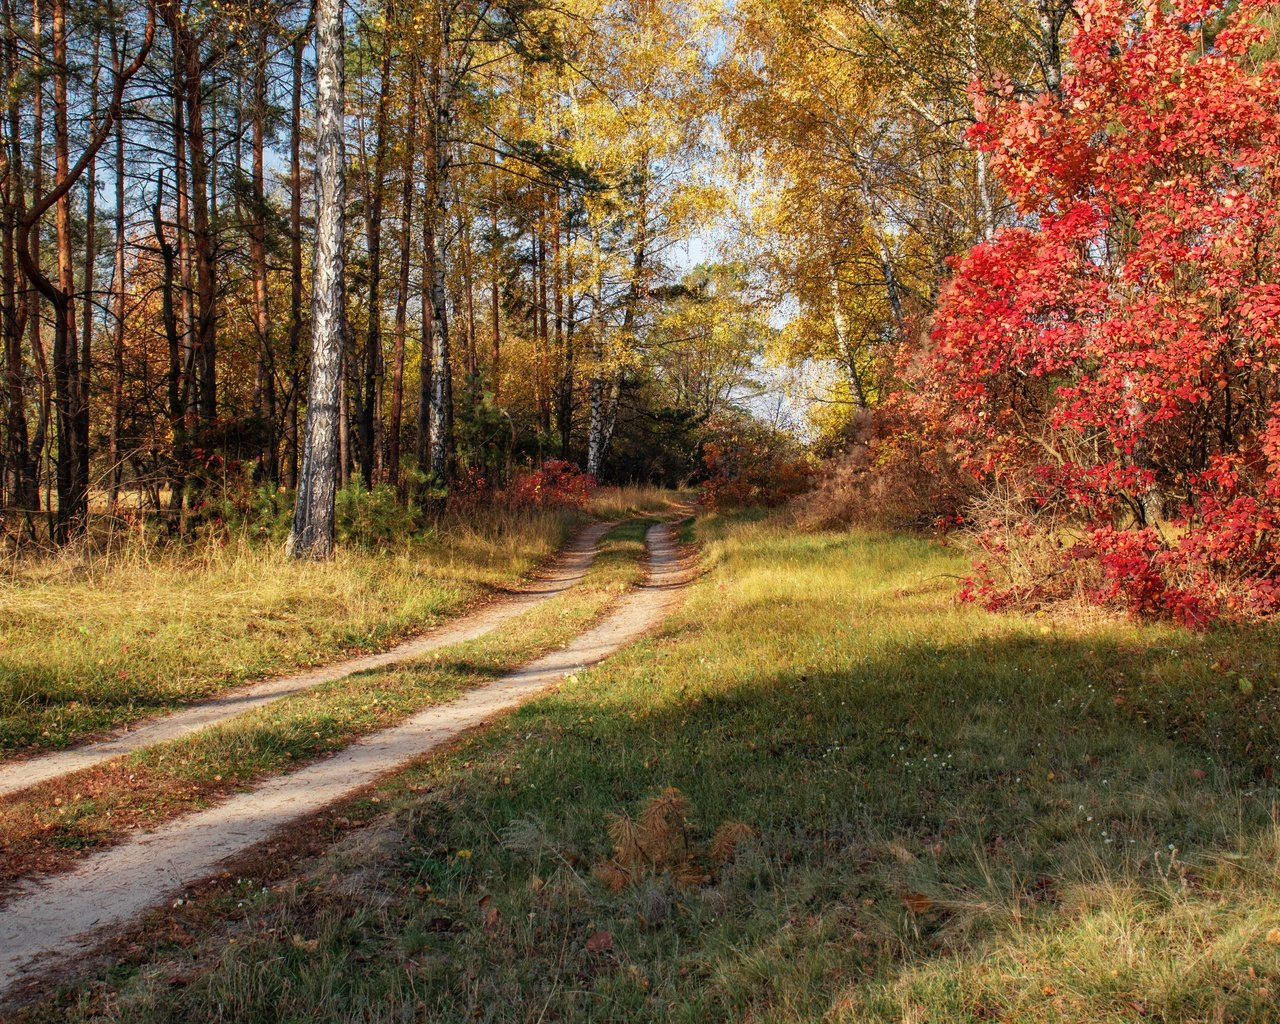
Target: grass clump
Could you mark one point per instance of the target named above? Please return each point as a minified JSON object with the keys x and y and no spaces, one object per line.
{"x":945,"y":816}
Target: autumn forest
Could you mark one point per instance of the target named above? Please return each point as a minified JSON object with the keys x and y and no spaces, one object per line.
{"x":640,"y":510}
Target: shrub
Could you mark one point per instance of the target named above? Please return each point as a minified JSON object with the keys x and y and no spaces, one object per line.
{"x":746,"y":463}
{"x":894,"y":474}
{"x":1116,"y":352}
{"x":554,"y":484}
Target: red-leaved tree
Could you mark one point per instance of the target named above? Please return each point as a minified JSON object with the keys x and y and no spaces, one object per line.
{"x":1114,"y":361}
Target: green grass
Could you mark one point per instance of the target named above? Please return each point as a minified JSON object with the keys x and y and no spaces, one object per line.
{"x":87,"y":642}
{"x":92,"y":808}
{"x":957,"y":817}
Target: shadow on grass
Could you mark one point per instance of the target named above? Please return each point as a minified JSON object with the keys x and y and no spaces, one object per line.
{"x":1011,"y":827}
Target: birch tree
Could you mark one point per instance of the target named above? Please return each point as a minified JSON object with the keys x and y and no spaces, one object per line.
{"x":313,"y":520}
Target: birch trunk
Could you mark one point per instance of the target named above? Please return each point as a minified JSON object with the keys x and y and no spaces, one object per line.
{"x":313,"y":521}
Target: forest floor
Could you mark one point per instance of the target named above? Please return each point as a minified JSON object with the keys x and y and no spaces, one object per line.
{"x":823,"y":790}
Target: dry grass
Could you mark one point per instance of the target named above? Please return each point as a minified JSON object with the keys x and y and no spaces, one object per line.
{"x":93,"y":637}
{"x":636,"y":499}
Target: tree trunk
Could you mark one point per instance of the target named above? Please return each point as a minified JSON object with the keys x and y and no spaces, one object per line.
{"x":90,"y":254}
{"x":206,"y":324}
{"x":565,"y":407}
{"x":117,"y":347}
{"x":313,"y":522}
{"x":495,"y":355}
{"x":986,"y":209}
{"x":72,"y":466}
{"x":35,"y":327}
{"x":367,"y":394}
{"x":258,"y":257}
{"x":291,"y":446}
{"x":402,"y":289}
{"x":844,"y":345}
{"x":439,"y":380}
{"x":541,"y":333}
{"x":24,"y":486}
{"x":602,"y":391}
{"x":564,"y":356}
{"x":182,"y":392}
{"x":427,"y":354}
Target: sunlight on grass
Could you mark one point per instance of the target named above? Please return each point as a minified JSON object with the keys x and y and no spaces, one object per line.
{"x":92,"y":640}
{"x":954,"y":817}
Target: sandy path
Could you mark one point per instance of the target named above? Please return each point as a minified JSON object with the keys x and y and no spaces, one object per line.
{"x":56,"y":921}
{"x":566,"y":571}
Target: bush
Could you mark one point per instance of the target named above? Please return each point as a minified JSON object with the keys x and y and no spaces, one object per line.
{"x":555,"y":484}
{"x":895,"y":474}
{"x":747,"y":463}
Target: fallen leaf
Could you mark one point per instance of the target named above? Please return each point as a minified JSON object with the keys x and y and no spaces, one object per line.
{"x":600,"y":942}
{"x":917,"y":903}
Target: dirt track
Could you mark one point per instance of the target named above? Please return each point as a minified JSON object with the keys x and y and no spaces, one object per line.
{"x":567,"y":570}
{"x":65,"y":917}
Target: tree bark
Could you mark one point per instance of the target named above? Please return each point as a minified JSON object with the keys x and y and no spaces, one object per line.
{"x":294,"y":393}
{"x":495,"y":354}
{"x":438,"y":383}
{"x":313,"y":523}
{"x":206,"y":323}
{"x":402,"y":285}
{"x":844,"y":344}
{"x":373,"y":362}
{"x":258,"y":257}
{"x":119,"y":295}
{"x":24,"y":490}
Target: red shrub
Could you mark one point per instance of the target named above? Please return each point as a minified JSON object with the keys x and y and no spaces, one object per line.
{"x":1116,"y":358}
{"x":556,"y":484}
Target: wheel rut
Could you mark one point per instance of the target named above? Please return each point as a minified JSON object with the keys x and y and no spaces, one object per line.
{"x":66,"y":916}
{"x":566,"y":571}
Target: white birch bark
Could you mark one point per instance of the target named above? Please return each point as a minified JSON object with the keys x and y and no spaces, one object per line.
{"x":313,"y":520}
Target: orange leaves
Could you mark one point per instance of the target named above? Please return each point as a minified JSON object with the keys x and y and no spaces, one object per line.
{"x":660,"y":841}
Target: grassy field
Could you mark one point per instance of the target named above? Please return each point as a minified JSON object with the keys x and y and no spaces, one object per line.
{"x":825,"y":792}
{"x":43,"y":829}
{"x":91,"y":641}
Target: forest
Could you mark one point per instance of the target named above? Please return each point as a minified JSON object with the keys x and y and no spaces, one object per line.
{"x":640,"y":510}
{"x":511,"y":182}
